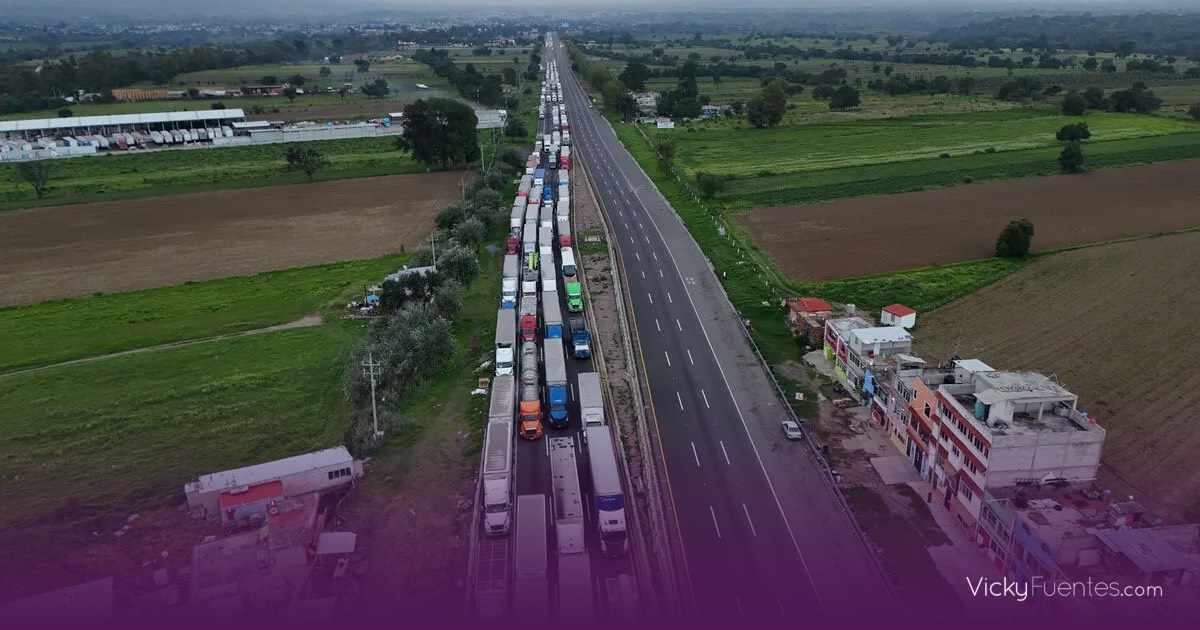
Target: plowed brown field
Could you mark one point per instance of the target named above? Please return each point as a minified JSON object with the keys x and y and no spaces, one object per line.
{"x":866,"y":235}
{"x":69,"y":251}
{"x":1117,"y":325}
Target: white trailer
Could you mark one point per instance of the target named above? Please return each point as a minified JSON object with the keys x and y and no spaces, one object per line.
{"x":506,"y":342}
{"x":497,"y":467}
{"x":591,"y":401}
{"x":574,"y":568}
{"x":606,"y":491}
{"x":531,"y":560}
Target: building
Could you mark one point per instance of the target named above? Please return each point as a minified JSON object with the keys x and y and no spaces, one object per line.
{"x":262,"y":90}
{"x":1073,"y":533}
{"x":856,"y":347}
{"x":898,"y":315}
{"x":806,"y":317}
{"x":246,"y":496}
{"x":407,"y":271}
{"x":647,"y":102}
{"x":87,"y":135}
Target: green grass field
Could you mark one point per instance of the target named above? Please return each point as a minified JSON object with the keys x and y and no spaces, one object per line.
{"x":116,"y":176}
{"x":126,"y":433}
{"x":51,"y":332}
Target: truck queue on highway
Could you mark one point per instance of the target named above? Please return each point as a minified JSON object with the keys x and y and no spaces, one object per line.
{"x":530,"y":395}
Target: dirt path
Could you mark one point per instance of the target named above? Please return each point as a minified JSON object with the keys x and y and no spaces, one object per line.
{"x":308,"y":321}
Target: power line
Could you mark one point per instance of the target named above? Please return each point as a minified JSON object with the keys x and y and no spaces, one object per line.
{"x":370,"y":370}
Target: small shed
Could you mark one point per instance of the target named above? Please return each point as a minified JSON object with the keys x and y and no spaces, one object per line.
{"x":898,"y":315}
{"x":806,"y":317}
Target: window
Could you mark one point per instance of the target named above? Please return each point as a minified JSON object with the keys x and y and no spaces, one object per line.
{"x":954,"y":449}
{"x":965,"y":491}
{"x":338,"y":474}
{"x":927,"y":410}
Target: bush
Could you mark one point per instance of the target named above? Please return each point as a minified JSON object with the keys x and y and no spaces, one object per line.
{"x":1015,"y":240}
{"x":944,"y":156}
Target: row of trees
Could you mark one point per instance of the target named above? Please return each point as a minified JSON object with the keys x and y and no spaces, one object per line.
{"x":414,"y":339}
{"x":470,"y":83}
{"x":1137,"y":99}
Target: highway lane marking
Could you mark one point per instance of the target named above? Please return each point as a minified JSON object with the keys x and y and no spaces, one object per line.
{"x":635,"y":255}
{"x":678,"y":325}
{"x":724,"y":453}
{"x":741,"y":612}
{"x":749,"y":520}
{"x":753,"y":446}
{"x":782,"y":612}
{"x":677,"y":397}
{"x":631,"y":241}
{"x":656,"y":325}
{"x":660,"y":275}
{"x":664,"y":351}
{"x":651,"y":298}
{"x":706,"y":403}
{"x":640,"y":226}
{"x":643,"y":278}
{"x":718,"y":528}
{"x":695,"y":454}
{"x":626,"y":225}
{"x":648,"y":242}
{"x":571,"y":386}
{"x":690,"y":359}
{"x":652,"y":253}
{"x":669,"y":298}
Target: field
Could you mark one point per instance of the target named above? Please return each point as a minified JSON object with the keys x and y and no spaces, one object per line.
{"x":129,"y":431}
{"x":145,"y":173}
{"x":1116,"y":324}
{"x":63,"y":330}
{"x":867,"y":235}
{"x":48,"y":253}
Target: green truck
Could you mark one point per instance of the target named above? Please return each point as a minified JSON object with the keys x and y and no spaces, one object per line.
{"x":574,"y":297}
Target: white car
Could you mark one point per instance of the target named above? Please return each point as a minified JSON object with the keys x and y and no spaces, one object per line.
{"x":792,"y":431}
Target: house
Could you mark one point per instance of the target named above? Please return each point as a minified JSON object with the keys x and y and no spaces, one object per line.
{"x":806,"y":317}
{"x":647,"y":102}
{"x":898,"y":315}
{"x":243,"y":495}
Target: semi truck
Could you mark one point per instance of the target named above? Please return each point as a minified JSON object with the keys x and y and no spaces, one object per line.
{"x":531,"y":395}
{"x":574,"y":297}
{"x":491,"y":580}
{"x":563,"y":181}
{"x":531,"y":597}
{"x":563,"y":210}
{"x":497,"y":473}
{"x":581,"y":339}
{"x":546,"y":218}
{"x":591,"y":400}
{"x":508,"y":293}
{"x":552,"y":316}
{"x":539,"y":177}
{"x":606,"y":491}
{"x":527,"y":318}
{"x":574,"y":568}
{"x":549,"y":281}
{"x":564,"y":233}
{"x":506,"y":342}
{"x":529,"y":236}
{"x":545,"y":237}
{"x":556,"y":382}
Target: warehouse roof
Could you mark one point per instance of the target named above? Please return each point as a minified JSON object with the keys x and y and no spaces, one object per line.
{"x":50,"y":124}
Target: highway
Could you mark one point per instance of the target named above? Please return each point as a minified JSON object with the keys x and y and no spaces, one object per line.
{"x":532,"y":466}
{"x":770,"y":547}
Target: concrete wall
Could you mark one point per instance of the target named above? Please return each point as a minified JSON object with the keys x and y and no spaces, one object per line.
{"x":1072,"y":455}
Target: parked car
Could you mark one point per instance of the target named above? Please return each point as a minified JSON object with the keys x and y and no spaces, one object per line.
{"x":792,"y":431}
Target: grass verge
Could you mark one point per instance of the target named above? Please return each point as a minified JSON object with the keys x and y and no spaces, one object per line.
{"x":50,"y":332}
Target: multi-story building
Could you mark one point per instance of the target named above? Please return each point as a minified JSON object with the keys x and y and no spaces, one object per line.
{"x":859,"y":350}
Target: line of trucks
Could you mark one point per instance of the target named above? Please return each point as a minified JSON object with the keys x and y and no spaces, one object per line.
{"x":520,"y":400}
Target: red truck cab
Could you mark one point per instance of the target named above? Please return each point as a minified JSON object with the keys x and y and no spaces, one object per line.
{"x":528,"y":328}
{"x":512,"y":246}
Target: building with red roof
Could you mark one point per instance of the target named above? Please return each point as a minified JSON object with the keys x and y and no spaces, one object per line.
{"x":898,"y":315}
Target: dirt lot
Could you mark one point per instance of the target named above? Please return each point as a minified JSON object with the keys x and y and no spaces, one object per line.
{"x":857,"y":237}
{"x":354,"y":110}
{"x":1117,"y":325}
{"x":68,"y":251}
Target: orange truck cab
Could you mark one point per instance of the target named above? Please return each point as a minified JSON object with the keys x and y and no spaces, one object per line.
{"x":531,"y":419}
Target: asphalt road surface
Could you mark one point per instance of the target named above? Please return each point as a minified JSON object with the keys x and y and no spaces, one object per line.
{"x":763,"y":535}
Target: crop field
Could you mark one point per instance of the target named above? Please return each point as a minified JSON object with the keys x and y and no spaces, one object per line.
{"x":156,"y":172}
{"x":65,"y":329}
{"x":49,"y":253}
{"x":1116,"y":325}
{"x":831,"y":145}
{"x":867,"y":235}
{"x":110,"y":437}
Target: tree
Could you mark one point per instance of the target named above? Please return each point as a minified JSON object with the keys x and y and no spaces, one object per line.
{"x":440,"y":132}
{"x":297,"y":79}
{"x":218,"y":105}
{"x":1138,"y":99}
{"x":1094,"y":97}
{"x":448,"y":298}
{"x":634,"y":76}
{"x":941,"y":85}
{"x":965,"y":85}
{"x":1015,"y":240}
{"x":1126,"y":48}
{"x":304,"y":159}
{"x":844,"y":97}
{"x":343,"y":91}
{"x":1073,"y":133}
{"x":665,"y":148}
{"x":270,"y":79}
{"x":1194,"y":111}
{"x":1091,"y":63}
{"x":822,"y":92}
{"x":458,"y":263}
{"x":756,"y":113}
{"x":471,"y":231}
{"x":709,"y":184}
{"x":514,"y":127}
{"x":773,"y":102}
{"x":65,"y":113}
{"x":509,"y":75}
{"x":290,"y":93}
{"x":1074,"y":104}
{"x":324,"y":72}
{"x":362,"y":65}
{"x":36,"y":173}
{"x":1071,"y":158}
{"x":688,"y":107}
{"x":377,"y":88}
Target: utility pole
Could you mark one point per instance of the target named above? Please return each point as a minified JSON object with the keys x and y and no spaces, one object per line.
{"x":433,"y":241}
{"x":369,"y":370}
